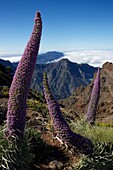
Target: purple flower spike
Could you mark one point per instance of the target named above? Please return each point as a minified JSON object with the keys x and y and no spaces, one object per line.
{"x":61,"y":127}
{"x":92,"y":108}
{"x":16,"y":114}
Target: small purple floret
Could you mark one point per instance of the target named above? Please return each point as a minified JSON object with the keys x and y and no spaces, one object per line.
{"x":16,"y":114}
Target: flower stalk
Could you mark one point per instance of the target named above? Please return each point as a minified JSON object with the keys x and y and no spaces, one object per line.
{"x":62,"y":129}
{"x":92,"y":108}
{"x":16,"y":114}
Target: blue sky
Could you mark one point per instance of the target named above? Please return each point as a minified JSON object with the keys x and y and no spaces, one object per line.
{"x":67,"y":24}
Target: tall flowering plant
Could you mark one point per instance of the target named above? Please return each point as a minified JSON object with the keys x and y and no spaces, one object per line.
{"x":16,"y":114}
{"x":62,"y":129}
{"x":92,"y":108}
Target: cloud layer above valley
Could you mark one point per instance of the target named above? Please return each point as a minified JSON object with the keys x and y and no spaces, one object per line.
{"x":10,"y":57}
{"x":94,"y":58}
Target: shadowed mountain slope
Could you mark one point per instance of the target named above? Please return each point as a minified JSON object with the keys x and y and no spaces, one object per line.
{"x":63,"y":76}
{"x":5,"y":75}
{"x":79,"y":100}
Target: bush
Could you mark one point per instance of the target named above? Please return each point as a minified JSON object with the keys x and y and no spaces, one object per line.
{"x":102,"y":158}
{"x":94,"y":133}
{"x":23,"y":155}
{"x":14,"y":155}
{"x":102,"y":139}
{"x":37,"y":146}
{"x":4,"y":91}
{"x":37,"y":106}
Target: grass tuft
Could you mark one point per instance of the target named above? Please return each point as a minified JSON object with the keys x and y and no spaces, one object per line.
{"x":22,"y":155}
{"x":94,"y":133}
{"x":102,"y":139}
{"x":14,"y":155}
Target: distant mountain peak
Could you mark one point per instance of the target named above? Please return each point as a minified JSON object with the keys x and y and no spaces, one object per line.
{"x":49,"y":56}
{"x":51,"y":52}
{"x":108,"y":66}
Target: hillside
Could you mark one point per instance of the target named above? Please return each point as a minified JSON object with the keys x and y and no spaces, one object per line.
{"x":5,"y":75}
{"x":79,"y":100}
{"x":63,"y":76}
{"x":50,"y":153}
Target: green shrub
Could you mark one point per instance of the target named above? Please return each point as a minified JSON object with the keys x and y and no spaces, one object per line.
{"x":37,"y":146}
{"x":95,"y":133}
{"x":22,"y":156}
{"x":4,"y":91}
{"x":37,"y":106}
{"x":14,"y":155}
{"x":104,"y":124}
{"x":102,"y":139}
{"x":102,"y":158}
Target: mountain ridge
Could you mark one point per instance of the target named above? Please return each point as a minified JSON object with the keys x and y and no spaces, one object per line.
{"x":49,"y":57}
{"x":79,"y":100}
{"x":63,"y":76}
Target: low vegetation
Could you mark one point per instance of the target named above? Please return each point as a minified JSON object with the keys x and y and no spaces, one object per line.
{"x":35,"y":151}
{"x":102,"y":139}
{"x":23,"y":155}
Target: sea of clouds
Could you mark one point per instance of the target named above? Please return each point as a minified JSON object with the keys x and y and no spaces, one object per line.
{"x":10,"y":57}
{"x":94,"y":58}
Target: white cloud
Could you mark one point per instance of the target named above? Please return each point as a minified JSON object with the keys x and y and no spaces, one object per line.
{"x":95,"y":58}
{"x":10,"y":57}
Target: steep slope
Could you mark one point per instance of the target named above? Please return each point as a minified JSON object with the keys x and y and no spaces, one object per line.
{"x":8,"y":64}
{"x":5,"y":75}
{"x":78,"y":102}
{"x":63,"y":76}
